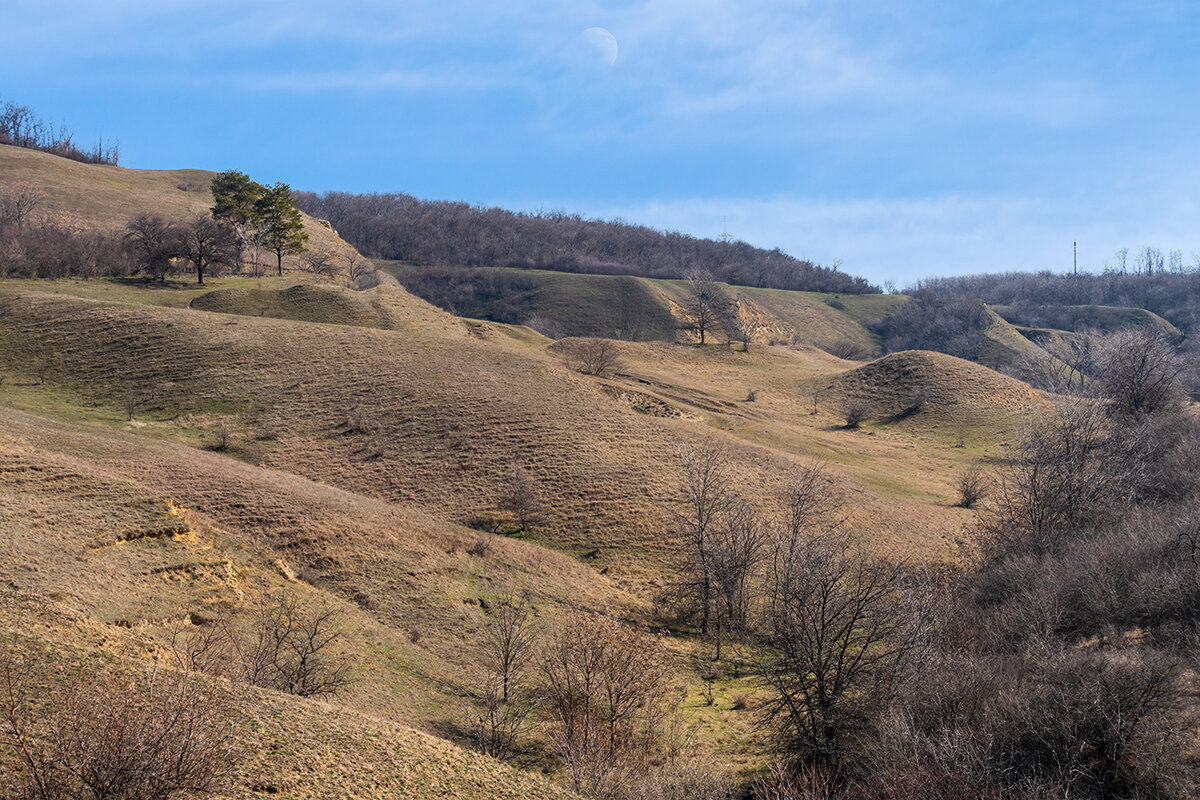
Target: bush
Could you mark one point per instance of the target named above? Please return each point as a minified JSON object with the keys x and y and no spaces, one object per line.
{"x":152,"y":736}
{"x":855,"y":411}
{"x":598,"y":357}
{"x":846,"y":349}
{"x":972,"y":486}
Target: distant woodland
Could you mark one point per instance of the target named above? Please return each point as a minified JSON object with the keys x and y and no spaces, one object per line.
{"x":20,"y":126}
{"x":1171,"y":292}
{"x":442,"y":233}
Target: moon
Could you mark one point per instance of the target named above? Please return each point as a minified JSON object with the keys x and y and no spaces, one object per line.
{"x":602,"y":42}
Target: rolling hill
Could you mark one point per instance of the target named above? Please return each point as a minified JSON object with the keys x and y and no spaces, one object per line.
{"x":201,"y":447}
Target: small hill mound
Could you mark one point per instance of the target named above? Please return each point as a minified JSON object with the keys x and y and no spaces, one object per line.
{"x":944,"y":382}
{"x":303,"y":303}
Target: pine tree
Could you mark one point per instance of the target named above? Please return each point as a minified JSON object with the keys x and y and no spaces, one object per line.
{"x":282,"y":224}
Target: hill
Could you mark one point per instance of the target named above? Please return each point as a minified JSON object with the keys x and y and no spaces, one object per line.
{"x":103,"y":197}
{"x":202,"y":448}
{"x":641,"y":309}
{"x":401,"y":227}
{"x":1073,"y":318}
{"x":900,"y":383}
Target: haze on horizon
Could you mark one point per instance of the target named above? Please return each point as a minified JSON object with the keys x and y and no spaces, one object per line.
{"x":906,"y":142}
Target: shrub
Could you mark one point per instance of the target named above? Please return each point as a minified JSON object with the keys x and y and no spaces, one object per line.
{"x":846,"y":349}
{"x":972,"y":486}
{"x":522,"y":497}
{"x":481,"y":547}
{"x":598,"y":357}
{"x":855,"y":411}
{"x":153,"y":736}
{"x":220,"y":436}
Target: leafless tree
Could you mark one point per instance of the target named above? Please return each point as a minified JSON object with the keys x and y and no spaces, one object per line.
{"x":738,"y":549}
{"x":150,"y":736}
{"x":838,"y":645}
{"x":812,"y":508}
{"x":17,"y":202}
{"x":511,"y":637}
{"x":1058,"y":481}
{"x":604,"y":685}
{"x":292,"y":650}
{"x":207,"y":245}
{"x":737,"y":328}
{"x":503,"y":705}
{"x":522,"y":497}
{"x":598,"y":357}
{"x":704,"y":304}
{"x":153,"y":243}
{"x":550,"y":328}
{"x":1139,"y":371}
{"x":320,"y":262}
{"x":706,"y":498}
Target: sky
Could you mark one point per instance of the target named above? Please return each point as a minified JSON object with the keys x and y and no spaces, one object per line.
{"x":901,"y":140}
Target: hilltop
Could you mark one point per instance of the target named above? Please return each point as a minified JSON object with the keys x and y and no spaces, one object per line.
{"x":103,"y":197}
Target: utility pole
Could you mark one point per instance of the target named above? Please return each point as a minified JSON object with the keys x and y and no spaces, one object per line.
{"x":1075,"y":267}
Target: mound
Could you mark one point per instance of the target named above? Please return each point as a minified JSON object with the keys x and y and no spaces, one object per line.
{"x":387,"y":306}
{"x":891,"y":383}
{"x":305,"y":303}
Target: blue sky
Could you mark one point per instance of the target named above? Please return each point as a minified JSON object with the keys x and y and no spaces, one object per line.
{"x":905,"y":139}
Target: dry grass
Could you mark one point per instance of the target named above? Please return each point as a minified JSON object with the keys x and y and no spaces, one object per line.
{"x":288,"y":747}
{"x":101,"y":197}
{"x":114,"y":532}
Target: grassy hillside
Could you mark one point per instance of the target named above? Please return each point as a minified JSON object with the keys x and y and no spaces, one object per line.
{"x":641,"y":309}
{"x":578,"y":305}
{"x":102,"y":197}
{"x":1076,"y":318}
{"x":199,"y":448}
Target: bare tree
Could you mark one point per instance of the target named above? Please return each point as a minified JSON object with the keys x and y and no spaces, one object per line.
{"x":704,"y":305}
{"x":522,"y":498}
{"x":838,"y":644}
{"x":706,"y":497}
{"x":292,"y":650}
{"x":1139,"y":371}
{"x":811,"y":508}
{"x":504,"y":703}
{"x":17,"y":202}
{"x":207,"y":245}
{"x":153,"y":243}
{"x":604,"y":685}
{"x":738,"y":547}
{"x":320,"y":262}
{"x":737,"y":327}
{"x":1058,"y":481}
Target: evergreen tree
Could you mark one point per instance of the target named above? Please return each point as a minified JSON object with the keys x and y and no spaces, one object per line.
{"x":282,"y":224}
{"x":235,"y":203}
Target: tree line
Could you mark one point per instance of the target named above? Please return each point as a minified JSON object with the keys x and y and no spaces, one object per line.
{"x":20,"y":126}
{"x":1160,"y":284}
{"x":444,"y":233}
{"x":247,"y":219}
